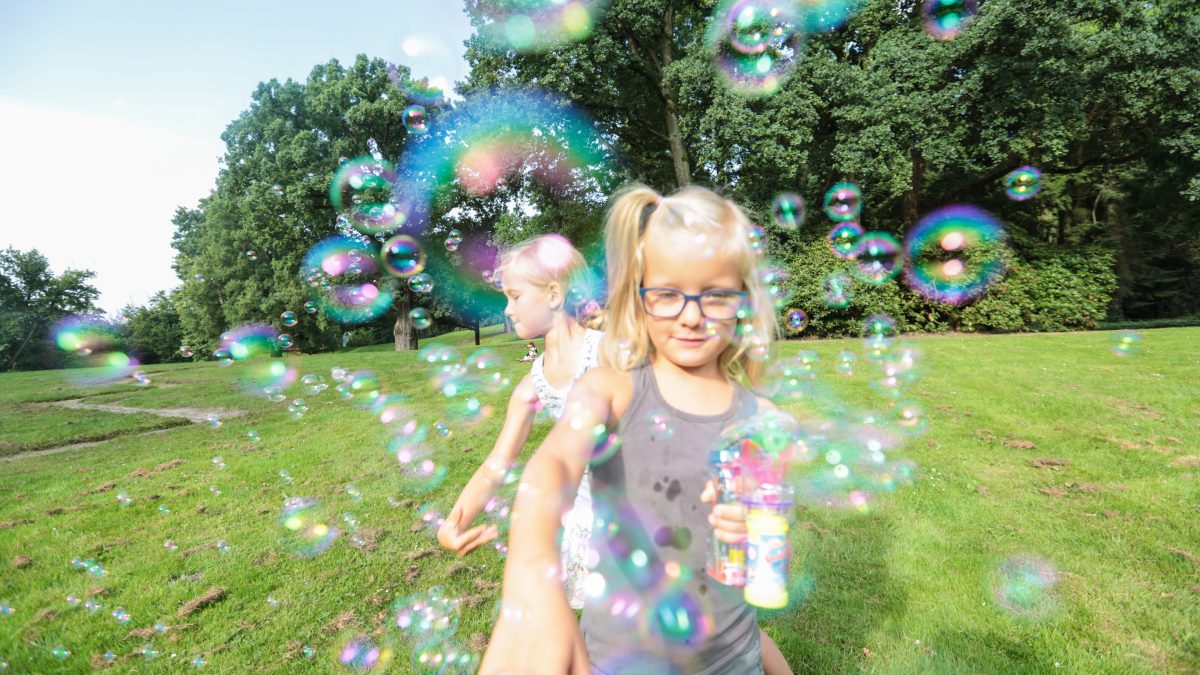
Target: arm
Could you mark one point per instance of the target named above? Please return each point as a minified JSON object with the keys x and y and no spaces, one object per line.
{"x":475,"y":494}
{"x":729,"y":520}
{"x":534,"y":604}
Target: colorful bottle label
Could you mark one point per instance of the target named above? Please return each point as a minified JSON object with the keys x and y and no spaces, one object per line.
{"x":767,"y":554}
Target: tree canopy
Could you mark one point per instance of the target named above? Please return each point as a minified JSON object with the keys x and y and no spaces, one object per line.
{"x":32,"y":300}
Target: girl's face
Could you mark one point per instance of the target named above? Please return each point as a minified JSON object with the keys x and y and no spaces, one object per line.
{"x":674,"y":259}
{"x":530,"y":308}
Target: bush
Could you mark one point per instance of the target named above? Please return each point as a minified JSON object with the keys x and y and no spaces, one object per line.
{"x":1052,"y":290}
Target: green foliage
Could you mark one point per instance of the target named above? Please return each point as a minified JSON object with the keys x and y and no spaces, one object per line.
{"x":154,"y":330}
{"x":32,"y":300}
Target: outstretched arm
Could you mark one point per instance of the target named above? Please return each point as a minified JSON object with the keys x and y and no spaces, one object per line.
{"x":454,"y":533}
{"x":534,"y":604}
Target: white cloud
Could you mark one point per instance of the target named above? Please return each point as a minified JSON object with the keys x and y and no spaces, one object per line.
{"x":98,"y":193}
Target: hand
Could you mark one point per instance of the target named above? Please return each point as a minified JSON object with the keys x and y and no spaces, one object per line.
{"x":451,"y":536}
{"x":728,"y":520}
{"x":545,"y":641}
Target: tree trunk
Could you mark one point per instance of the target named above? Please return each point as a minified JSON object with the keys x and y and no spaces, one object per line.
{"x":679,"y":158}
{"x":912,"y":203}
{"x":1124,"y":272}
{"x":403,"y":332}
{"x":32,"y":329}
{"x":476,"y":328}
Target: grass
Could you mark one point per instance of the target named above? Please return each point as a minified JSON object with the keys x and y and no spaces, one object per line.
{"x":904,"y":588}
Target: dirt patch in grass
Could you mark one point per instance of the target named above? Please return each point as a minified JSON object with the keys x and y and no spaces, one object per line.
{"x":1049,"y":463}
{"x":1020,"y":444}
{"x":105,"y":487}
{"x":1184,"y":554}
{"x":22,"y":562}
{"x":1189,"y":461}
{"x":198,"y":603}
{"x":1133,"y":409}
{"x":341,"y":622}
{"x":5,"y":524}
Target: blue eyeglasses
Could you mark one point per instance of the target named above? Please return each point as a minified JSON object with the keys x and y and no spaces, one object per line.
{"x":717,"y":304}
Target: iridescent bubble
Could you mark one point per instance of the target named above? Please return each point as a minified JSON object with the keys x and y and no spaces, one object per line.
{"x":120,"y":615}
{"x":442,"y":430}
{"x":6,"y":609}
{"x":403,"y":256}
{"x":452,"y":245}
{"x":361,"y":190}
{"x":94,"y":344}
{"x":879,"y":258}
{"x":843,"y":202}
{"x":538,"y":25}
{"x":910,"y":418}
{"x":945,"y":19}
{"x":797,"y":320}
{"x":354,"y":493}
{"x":1023,"y":183}
{"x":170,"y":545}
{"x":284,"y":341}
{"x":955,"y":254}
{"x":661,"y":428}
{"x":277,"y":190}
{"x":345,"y":283}
{"x":308,"y":651}
{"x":199,"y":662}
{"x":845,"y":239}
{"x":288,"y":318}
{"x":420,"y":318}
{"x":420,"y":283}
{"x":788,"y":209}
{"x":757,"y":44}
{"x":61,"y":653}
{"x":306,"y":529}
{"x":605,"y":445}
{"x":837,"y":289}
{"x":826,"y":15}
{"x":251,"y":255}
{"x":185,"y":351}
{"x":1027,"y":587}
{"x":431,"y":614}
{"x":310,"y":307}
{"x":1125,"y":343}
{"x":757,"y":238}
{"x":222,"y":546}
{"x":361,"y":653}
{"x":455,"y":236}
{"x":313,"y":384}
{"x":124,"y":499}
{"x":415,"y":119}
{"x":163,"y":508}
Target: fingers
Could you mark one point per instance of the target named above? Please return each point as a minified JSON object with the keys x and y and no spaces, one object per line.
{"x":729,"y":522}
{"x":476,"y":537}
{"x":709,"y":495}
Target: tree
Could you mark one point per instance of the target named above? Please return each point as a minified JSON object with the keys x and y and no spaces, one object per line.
{"x":32,"y":300}
{"x":154,"y":330}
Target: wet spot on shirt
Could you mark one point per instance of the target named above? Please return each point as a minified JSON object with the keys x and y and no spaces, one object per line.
{"x":673,"y":490}
{"x":673,"y":537}
{"x":657,"y":486}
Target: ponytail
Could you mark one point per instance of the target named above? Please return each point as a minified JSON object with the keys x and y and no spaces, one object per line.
{"x":625,"y":345}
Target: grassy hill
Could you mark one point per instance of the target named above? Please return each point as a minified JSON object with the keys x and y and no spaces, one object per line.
{"x":1048,"y":446}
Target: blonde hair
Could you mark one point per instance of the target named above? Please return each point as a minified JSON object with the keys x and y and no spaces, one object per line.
{"x":548,"y":260}
{"x":694,"y":210}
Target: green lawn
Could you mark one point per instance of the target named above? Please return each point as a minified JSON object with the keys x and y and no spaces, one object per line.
{"x":904,"y":588}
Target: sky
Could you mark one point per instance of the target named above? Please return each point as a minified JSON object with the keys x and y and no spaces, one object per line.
{"x":111,"y":113}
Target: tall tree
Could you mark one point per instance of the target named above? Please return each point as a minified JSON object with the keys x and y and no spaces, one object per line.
{"x":32,"y":300}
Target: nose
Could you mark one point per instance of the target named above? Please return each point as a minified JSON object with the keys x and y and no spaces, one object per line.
{"x":690,"y":316}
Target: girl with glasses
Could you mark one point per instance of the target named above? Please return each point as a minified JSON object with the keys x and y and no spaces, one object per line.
{"x":683,"y":294}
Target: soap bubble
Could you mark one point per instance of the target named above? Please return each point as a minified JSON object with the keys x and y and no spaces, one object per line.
{"x":843,"y":202}
{"x":1023,"y":183}
{"x":403,"y":256}
{"x":945,"y":19}
{"x":538,"y":25}
{"x":310,"y":307}
{"x":797,"y":320}
{"x":288,"y":318}
{"x":661,"y":428}
{"x":306,"y":529}
{"x":415,"y":119}
{"x":955,"y":254}
{"x":361,"y":653}
{"x":61,"y":653}
{"x":361,"y":191}
{"x":837,"y":288}
{"x":284,"y":341}
{"x":346,"y":282}
{"x":420,"y":283}
{"x":1026,"y":587}
{"x":251,"y":255}
{"x":879,"y":257}
{"x":420,"y":318}
{"x":845,"y":239}
{"x":1125,"y":343}
{"x":788,"y":209}
{"x":185,"y":351}
{"x":757,"y":44}
{"x":95,"y":344}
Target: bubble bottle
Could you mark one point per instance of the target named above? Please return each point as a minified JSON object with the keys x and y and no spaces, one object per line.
{"x":768,"y":546}
{"x":726,"y":562}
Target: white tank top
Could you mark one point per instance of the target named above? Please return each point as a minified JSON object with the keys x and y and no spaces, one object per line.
{"x":553,"y":399}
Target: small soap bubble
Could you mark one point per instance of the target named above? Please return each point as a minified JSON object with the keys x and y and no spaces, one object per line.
{"x":415,"y":119}
{"x":288,"y":318}
{"x":170,"y":545}
{"x":306,"y":529}
{"x":110,"y":656}
{"x":846,"y":361}
{"x":199,"y":662}
{"x":1026,"y":587}
{"x":284,"y":341}
{"x":97,"y":571}
{"x":661,"y":428}
{"x":1125,"y":343}
{"x":420,"y":283}
{"x":92,"y":605}
{"x":879,"y":258}
{"x":757,"y":238}
{"x":214,"y":421}
{"x":403,"y":256}
{"x":121,"y":615}
{"x":441,"y":429}
{"x":73,"y":600}
{"x":253,"y":436}
{"x":272,"y":601}
{"x":843,"y":202}
{"x":420,"y":318}
{"x":124,"y":499}
{"x":218,"y":463}
{"x":797,"y":320}
{"x":844,"y":239}
{"x":277,"y":190}
{"x":1023,"y":183}
{"x":148,"y":652}
{"x":61,"y":653}
{"x":788,"y":209}
{"x":310,"y":307}
{"x":251,"y":255}
{"x":214,"y":489}
{"x":163,"y":508}
{"x":308,"y":651}
{"x":945,"y":19}
{"x":837,"y":288}
{"x":285,"y":477}
{"x":222,"y":546}
{"x":185,"y":351}
{"x":160,"y":627}
{"x":6,"y":609}
{"x":354,"y":493}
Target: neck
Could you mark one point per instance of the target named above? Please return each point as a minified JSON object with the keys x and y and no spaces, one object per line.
{"x":564,"y":332}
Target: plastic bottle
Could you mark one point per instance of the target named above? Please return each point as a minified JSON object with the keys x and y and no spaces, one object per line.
{"x":768,"y":546}
{"x":726,"y":563}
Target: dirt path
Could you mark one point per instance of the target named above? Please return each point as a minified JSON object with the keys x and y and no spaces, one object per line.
{"x":194,"y":415}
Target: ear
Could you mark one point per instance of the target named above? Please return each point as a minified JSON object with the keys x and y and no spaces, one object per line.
{"x":554,"y":295}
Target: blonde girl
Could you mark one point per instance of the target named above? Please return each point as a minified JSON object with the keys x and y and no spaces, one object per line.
{"x":547,"y":284}
{"x":684,"y":300}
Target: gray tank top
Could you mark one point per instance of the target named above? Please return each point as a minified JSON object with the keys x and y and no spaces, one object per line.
{"x":649,"y":541}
